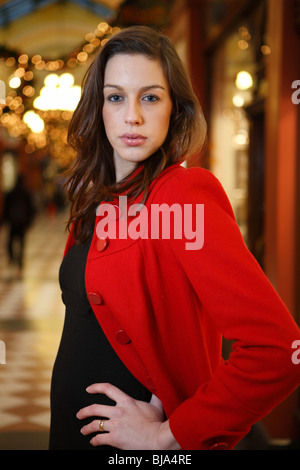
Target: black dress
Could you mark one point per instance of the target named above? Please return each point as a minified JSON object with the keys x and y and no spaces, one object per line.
{"x":84,"y":357}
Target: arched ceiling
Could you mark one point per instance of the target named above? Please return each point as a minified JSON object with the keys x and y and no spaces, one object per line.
{"x":51,"y":28}
{"x":10,"y":10}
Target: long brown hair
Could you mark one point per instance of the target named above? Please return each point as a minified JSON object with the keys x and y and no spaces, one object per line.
{"x":91,"y":179}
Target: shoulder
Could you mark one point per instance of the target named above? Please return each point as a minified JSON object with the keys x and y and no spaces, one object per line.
{"x":190,"y":185}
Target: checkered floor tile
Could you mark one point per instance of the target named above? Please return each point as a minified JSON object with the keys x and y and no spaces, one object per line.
{"x":31,"y":319}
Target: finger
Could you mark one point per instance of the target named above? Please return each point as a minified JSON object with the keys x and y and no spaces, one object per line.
{"x":95,"y":426}
{"x":109,"y":390}
{"x":102,"y":439}
{"x":96,"y":410}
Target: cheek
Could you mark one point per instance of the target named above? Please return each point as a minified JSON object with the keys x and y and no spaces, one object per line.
{"x":105,"y":118}
{"x":163,"y":127}
{"x":108,"y":110}
{"x":109,"y":126}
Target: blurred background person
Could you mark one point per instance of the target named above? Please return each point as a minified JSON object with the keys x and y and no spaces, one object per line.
{"x":18,"y":215}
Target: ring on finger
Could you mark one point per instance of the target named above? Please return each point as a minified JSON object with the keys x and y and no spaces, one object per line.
{"x":101,"y":423}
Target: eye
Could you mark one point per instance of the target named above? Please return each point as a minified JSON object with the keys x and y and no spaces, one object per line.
{"x":150,"y":98}
{"x":115,"y":98}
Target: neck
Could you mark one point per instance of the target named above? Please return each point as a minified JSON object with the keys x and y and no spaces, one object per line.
{"x":123,"y":168}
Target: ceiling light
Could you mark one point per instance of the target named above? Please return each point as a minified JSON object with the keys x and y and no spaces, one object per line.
{"x":244,"y":80}
{"x":14,"y":82}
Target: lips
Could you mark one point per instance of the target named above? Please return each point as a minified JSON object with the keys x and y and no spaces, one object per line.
{"x":133,"y":140}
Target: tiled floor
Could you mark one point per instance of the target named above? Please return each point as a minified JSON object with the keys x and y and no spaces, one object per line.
{"x":31,"y":319}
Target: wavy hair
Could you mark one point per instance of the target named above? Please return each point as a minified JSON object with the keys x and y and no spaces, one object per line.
{"x":91,"y":179}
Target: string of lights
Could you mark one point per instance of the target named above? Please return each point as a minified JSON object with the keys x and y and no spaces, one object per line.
{"x":40,"y":114}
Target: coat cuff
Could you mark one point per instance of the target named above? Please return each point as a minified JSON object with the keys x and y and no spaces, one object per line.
{"x":204,"y":421}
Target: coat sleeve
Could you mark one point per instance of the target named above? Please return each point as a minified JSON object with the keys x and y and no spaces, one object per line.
{"x":235,"y":292}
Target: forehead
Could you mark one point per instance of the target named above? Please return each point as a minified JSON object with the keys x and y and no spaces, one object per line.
{"x":134,"y":69}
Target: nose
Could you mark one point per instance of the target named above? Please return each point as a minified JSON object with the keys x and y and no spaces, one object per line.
{"x":133,"y":114}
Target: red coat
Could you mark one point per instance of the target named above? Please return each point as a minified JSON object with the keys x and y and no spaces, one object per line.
{"x":164,"y":308}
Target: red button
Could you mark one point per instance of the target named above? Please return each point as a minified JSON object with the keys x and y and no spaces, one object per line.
{"x":95,"y":298}
{"x":122,"y":337}
{"x":102,"y":244}
{"x":150,"y":384}
{"x":219,"y":446}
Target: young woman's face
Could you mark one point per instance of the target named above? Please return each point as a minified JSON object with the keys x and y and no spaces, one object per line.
{"x":137,"y":109}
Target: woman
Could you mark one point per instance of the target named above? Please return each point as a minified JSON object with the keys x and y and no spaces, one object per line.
{"x":148,"y":298}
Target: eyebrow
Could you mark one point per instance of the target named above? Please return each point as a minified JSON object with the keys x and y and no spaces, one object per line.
{"x":148,"y":87}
